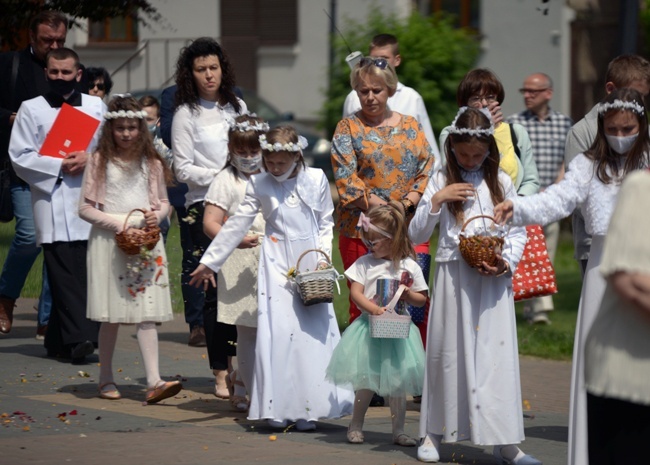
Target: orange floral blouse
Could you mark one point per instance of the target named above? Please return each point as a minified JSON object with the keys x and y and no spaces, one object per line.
{"x":386,"y":161}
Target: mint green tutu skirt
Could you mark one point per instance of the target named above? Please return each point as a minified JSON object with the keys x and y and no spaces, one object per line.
{"x":385,"y":366}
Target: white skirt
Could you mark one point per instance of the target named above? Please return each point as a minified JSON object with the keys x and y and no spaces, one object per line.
{"x":125,"y":288}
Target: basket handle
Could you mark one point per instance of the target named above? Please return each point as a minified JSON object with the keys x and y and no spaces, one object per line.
{"x":476,"y":218}
{"x":329,"y":261}
{"x":126,"y":220}
{"x":393,"y":302}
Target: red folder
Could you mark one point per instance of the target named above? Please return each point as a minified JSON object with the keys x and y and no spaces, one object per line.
{"x":72,"y":131}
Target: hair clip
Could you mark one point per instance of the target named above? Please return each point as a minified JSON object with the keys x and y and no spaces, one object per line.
{"x":365,"y":224}
{"x":288,"y":147}
{"x":623,"y":105}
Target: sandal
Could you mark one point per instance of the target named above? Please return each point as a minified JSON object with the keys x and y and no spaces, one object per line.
{"x":162,"y":391}
{"x":238,"y":403}
{"x":355,"y":436}
{"x":109,"y":394}
{"x":404,"y":440}
{"x":221,"y":389}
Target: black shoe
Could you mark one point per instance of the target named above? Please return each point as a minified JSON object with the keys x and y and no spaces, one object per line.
{"x":377,"y":400}
{"x":81,"y":350}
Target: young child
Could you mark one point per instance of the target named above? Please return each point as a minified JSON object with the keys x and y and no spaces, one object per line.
{"x":471,"y":387}
{"x":389,"y":367}
{"x":591,"y":183}
{"x":126,"y":173}
{"x":294,"y":342}
{"x":237,"y":298}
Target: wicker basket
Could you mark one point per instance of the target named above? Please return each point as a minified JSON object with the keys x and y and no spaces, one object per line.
{"x":316,"y":287}
{"x":479,"y":248}
{"x":131,"y":243}
{"x":391,"y":325}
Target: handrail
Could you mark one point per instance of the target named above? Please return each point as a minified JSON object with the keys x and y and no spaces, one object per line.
{"x":131,"y":58}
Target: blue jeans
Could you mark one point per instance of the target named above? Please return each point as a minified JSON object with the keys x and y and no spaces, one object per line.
{"x":23,"y":251}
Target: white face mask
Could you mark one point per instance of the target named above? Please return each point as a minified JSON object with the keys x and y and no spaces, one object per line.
{"x":247,"y":164}
{"x":621,"y":145}
{"x":287,"y":174}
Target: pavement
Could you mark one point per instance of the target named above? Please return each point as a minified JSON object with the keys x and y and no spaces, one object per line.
{"x":50,"y":413}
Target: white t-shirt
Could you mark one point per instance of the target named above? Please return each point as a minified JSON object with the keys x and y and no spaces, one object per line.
{"x":368,"y":269}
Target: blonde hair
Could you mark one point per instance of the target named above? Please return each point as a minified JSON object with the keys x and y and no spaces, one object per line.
{"x":391,"y":219}
{"x":387,"y":75}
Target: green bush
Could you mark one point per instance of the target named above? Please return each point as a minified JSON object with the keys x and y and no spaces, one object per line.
{"x":435,"y":57}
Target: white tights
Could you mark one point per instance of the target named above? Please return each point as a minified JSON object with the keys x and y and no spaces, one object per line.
{"x":246,"y":339}
{"x":362,"y":400}
{"x":147,"y":336}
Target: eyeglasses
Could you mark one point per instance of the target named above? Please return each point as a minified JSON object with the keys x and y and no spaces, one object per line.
{"x":533,"y":92}
{"x":372,"y":244}
{"x":478,"y":99}
{"x":99,"y":85}
{"x":380,"y":63}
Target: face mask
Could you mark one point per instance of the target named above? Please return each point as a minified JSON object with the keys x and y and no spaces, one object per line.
{"x":477,"y":167}
{"x":152,"y":128}
{"x":61,"y":86}
{"x":247,"y":164}
{"x":621,"y":145}
{"x":285,"y":176}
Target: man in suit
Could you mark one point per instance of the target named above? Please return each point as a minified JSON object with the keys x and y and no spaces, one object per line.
{"x":22,"y":77}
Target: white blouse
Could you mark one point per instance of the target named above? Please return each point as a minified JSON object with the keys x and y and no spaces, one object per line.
{"x":580,"y":188}
{"x":200,"y":145}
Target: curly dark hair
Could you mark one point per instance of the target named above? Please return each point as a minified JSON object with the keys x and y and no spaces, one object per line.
{"x":187,"y":93}
{"x":107,"y":149}
{"x":93,"y":74}
{"x":606,"y":161}
{"x":473,"y":119}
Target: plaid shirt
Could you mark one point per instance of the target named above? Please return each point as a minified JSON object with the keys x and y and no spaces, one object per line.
{"x":548,"y":138}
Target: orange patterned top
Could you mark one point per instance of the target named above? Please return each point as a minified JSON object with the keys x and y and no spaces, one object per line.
{"x":386,"y":161}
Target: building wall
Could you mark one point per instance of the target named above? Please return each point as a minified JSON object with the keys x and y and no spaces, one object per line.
{"x":520,"y":40}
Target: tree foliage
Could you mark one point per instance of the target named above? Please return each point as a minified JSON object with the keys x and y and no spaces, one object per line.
{"x":435,"y":57}
{"x":16,"y":14}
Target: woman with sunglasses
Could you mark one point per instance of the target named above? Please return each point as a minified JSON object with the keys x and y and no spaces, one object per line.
{"x":378,"y":155}
{"x":99,"y":82}
{"x":481,"y":88}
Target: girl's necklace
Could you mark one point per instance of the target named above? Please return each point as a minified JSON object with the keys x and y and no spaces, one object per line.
{"x":291,"y":199}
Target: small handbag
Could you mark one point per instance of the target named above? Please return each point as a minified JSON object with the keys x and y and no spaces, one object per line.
{"x":6,"y":204}
{"x":390,"y":324}
{"x":534,"y":276}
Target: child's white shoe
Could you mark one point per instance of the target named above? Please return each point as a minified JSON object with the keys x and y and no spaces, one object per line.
{"x":427,"y":451}
{"x":304,"y":425}
{"x":278,"y":424}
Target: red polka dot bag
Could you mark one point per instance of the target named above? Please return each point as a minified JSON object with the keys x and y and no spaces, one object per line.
{"x":534,"y":276}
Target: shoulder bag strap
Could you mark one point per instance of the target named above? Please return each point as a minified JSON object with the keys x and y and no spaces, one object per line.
{"x":513,"y":136}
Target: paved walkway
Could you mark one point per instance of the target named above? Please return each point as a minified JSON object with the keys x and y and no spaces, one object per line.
{"x":51,"y":414}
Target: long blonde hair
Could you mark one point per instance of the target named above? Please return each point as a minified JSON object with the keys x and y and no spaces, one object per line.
{"x":391,"y":219}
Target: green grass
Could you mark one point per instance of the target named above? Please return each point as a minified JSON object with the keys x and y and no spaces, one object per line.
{"x":554,"y":341}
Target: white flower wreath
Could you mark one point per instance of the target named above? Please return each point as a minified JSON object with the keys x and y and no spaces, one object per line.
{"x":288,"y":147}
{"x":140,"y":114}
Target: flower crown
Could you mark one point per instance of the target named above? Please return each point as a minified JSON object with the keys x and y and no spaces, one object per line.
{"x":248,"y":126}
{"x":623,"y":105}
{"x":453,"y":129}
{"x":125,"y":114}
{"x":288,"y":147}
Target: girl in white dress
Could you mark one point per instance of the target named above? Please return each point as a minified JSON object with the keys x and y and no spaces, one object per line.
{"x":294,"y":342}
{"x":591,"y":184}
{"x":471,"y":387}
{"x":237,"y":297}
{"x":126,"y":173}
{"x":390,"y":367}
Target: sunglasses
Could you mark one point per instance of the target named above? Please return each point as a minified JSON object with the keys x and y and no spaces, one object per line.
{"x":372,"y":244}
{"x":380,"y":63}
{"x":99,"y":85}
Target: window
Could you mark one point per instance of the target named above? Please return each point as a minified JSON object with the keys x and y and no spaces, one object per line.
{"x":271,"y":22}
{"x":467,"y":12}
{"x":121,"y":29}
